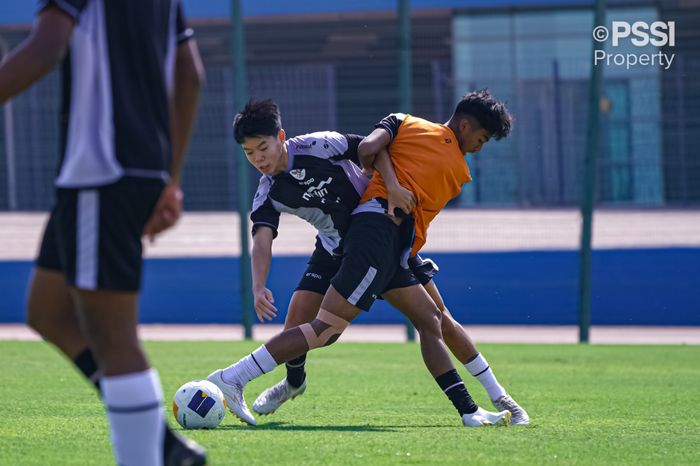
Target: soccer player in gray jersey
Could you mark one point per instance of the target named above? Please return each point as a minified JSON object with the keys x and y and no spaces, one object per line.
{"x":132,"y":75}
{"x":316,"y":177}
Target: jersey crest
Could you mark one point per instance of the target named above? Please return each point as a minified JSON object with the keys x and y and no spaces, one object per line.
{"x":298,"y":173}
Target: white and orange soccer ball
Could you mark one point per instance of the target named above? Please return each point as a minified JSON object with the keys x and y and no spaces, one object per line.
{"x":199,"y":405}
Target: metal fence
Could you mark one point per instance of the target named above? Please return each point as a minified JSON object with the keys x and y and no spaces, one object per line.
{"x":340,"y":72}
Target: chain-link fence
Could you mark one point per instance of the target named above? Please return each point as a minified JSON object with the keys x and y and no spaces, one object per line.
{"x":508,"y":247}
{"x":340,"y":72}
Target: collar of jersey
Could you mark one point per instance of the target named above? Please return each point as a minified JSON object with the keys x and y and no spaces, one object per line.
{"x":291,"y":152}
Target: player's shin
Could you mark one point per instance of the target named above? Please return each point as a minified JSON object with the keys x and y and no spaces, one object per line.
{"x":480,"y":369}
{"x":85,"y":362}
{"x":296,"y":373}
{"x":286,"y":346}
{"x":250,"y":367}
{"x":134,"y":404}
{"x":452,"y":385}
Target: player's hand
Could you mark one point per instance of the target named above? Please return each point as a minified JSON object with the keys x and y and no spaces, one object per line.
{"x":264,"y":304}
{"x":166,"y":213}
{"x":368,"y":172}
{"x":402,"y":198}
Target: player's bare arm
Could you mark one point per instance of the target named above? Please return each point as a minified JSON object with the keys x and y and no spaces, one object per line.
{"x":189,"y":78}
{"x":398,"y":196}
{"x":261,"y":257}
{"x":38,"y":54}
{"x":373,"y":153}
{"x":371,"y":145}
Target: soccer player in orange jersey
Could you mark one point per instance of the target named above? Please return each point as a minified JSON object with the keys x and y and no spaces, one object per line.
{"x":427,"y":164}
{"x":378,"y":245}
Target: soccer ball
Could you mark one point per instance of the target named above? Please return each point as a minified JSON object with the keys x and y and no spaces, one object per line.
{"x":199,"y":405}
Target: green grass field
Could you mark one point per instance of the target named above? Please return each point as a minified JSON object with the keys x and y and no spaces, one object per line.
{"x":376,"y":404}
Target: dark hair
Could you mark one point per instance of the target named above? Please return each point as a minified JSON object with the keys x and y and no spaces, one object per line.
{"x":491,"y":114}
{"x":258,"y":118}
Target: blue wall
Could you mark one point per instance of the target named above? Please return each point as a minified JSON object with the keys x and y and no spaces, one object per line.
{"x":630,"y":287}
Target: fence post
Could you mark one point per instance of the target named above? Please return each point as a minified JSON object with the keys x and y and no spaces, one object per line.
{"x":589,"y":182}
{"x":405,"y":87}
{"x":240,"y":91}
{"x":556,"y":77}
{"x":10,"y":156}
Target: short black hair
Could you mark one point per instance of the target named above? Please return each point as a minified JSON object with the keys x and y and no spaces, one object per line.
{"x":258,"y":118}
{"x":491,"y":114}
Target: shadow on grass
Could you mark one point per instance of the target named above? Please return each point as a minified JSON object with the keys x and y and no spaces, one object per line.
{"x":283,"y":426}
{"x":297,"y":427}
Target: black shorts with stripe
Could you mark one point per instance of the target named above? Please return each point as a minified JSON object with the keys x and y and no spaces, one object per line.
{"x":94,"y":235}
{"x":322,"y":267}
{"x":372,"y":251}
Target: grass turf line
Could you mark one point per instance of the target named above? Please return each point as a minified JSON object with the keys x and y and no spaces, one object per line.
{"x":376,"y":404}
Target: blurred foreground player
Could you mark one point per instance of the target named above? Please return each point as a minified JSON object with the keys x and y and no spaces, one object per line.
{"x":131,"y":83}
{"x":428,"y":159}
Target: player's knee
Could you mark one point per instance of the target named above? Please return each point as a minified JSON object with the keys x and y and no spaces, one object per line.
{"x":295,"y":318}
{"x":324,"y":330}
{"x":447,"y":324}
{"x":333,"y":334}
{"x":430,"y":321}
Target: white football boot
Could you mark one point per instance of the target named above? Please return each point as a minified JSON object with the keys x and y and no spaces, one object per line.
{"x":483,"y":418}
{"x":520,"y":417}
{"x":272,"y":398}
{"x":234,"y":397}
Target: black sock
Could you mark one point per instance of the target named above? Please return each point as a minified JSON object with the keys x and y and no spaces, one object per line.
{"x":85,"y":361}
{"x":451,"y":383}
{"x":295,"y":371}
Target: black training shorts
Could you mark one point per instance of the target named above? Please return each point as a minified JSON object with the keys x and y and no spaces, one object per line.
{"x":322,"y":266}
{"x":372,"y":251}
{"x":94,"y":235}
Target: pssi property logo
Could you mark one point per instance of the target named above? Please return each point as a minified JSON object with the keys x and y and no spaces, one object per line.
{"x":639,"y":34}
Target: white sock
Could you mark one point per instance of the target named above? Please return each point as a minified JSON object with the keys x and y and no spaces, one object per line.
{"x":479,"y":368}
{"x":134,"y":405}
{"x":251,"y":367}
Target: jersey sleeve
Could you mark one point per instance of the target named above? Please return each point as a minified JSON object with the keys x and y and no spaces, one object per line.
{"x":327,"y":145}
{"x":184,"y":33}
{"x":391,"y":124}
{"x":263,"y":212}
{"x":72,"y":8}
{"x":353,"y":141}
